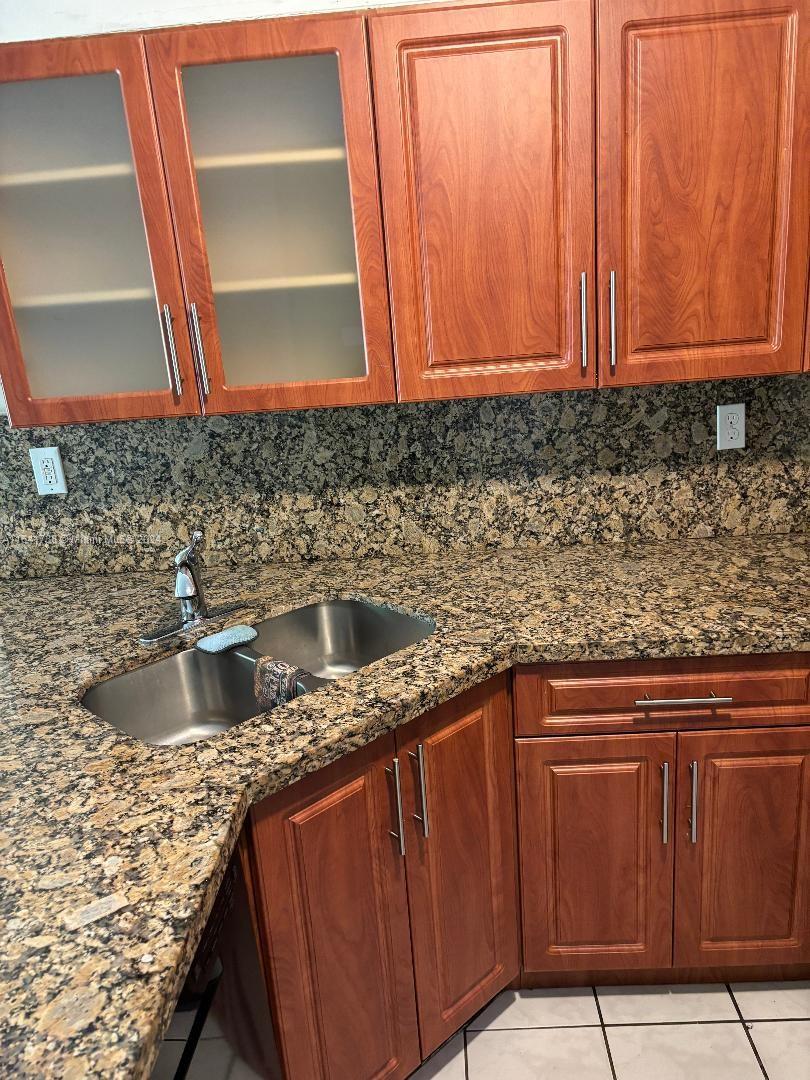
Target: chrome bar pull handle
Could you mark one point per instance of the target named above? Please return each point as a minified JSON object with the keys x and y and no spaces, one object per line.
{"x":665,"y":803}
{"x":419,"y":758}
{"x":647,"y":702}
{"x":170,"y":352}
{"x":612,"y":295}
{"x":199,"y":348}
{"x":398,"y":836}
{"x":583,"y":317}
{"x":693,"y":820}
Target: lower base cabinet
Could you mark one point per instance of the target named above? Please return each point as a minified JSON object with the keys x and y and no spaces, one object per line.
{"x":658,"y":850}
{"x":386,"y":893}
{"x":385,"y":885}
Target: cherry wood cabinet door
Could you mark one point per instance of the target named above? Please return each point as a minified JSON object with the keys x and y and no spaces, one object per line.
{"x":596,"y":851}
{"x":333,"y":915}
{"x":743,"y":875}
{"x":458,"y":784}
{"x":267,"y":131}
{"x":485,"y":126}
{"x":704,"y":190}
{"x":92,"y":323}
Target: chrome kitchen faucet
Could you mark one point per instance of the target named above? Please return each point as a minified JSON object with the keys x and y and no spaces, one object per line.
{"x":188,"y":589}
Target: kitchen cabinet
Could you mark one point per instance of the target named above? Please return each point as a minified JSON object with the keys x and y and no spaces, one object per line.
{"x":485,"y":127}
{"x":661,"y":846}
{"x":92,"y":323}
{"x":460,"y":856}
{"x":743,"y":853}
{"x":173,"y":244}
{"x":596,"y":851}
{"x":386,"y":886}
{"x":332,"y":912}
{"x":703,"y":188}
{"x":267,"y":133}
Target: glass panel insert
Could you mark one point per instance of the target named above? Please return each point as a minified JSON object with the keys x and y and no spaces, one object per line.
{"x":270,"y":154}
{"x":72,"y":239}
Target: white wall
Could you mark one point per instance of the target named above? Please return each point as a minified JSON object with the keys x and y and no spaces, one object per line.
{"x":24,"y":19}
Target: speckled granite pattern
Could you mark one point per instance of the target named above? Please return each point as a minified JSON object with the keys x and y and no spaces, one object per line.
{"x":112,"y":851}
{"x":543,"y":469}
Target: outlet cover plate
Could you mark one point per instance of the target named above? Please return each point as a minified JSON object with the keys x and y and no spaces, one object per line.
{"x":731,"y":427}
{"x":48,"y":471}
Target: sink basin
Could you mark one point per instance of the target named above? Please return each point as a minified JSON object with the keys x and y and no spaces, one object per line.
{"x":336,"y":637}
{"x":186,"y":697}
{"x":192,"y":695}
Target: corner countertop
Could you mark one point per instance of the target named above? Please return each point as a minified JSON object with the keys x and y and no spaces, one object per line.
{"x":111,"y":851}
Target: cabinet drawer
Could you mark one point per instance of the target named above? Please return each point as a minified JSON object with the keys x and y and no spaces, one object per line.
{"x":602,"y":697}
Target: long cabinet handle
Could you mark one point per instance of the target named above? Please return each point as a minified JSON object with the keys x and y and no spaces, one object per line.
{"x":646,"y":702}
{"x":199,"y":348}
{"x":693,"y":810}
{"x":419,"y":758}
{"x":583,"y":317}
{"x":170,"y":352}
{"x":612,"y":297}
{"x":398,"y":836}
{"x":665,"y":803}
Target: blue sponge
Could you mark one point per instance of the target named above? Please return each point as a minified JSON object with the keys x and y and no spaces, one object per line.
{"x":226,"y":639}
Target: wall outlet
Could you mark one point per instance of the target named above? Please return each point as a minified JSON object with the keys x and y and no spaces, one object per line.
{"x":48,"y":471}
{"x":730,"y":427}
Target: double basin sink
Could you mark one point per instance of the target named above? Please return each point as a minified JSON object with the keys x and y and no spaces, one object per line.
{"x":193,"y":695}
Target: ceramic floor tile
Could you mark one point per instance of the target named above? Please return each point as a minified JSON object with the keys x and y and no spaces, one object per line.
{"x":538,"y":1008}
{"x":561,"y":1053}
{"x":665,"y":1004}
{"x":446,"y":1064}
{"x":683,"y":1052}
{"x":773,"y":1001}
{"x":784,"y":1047}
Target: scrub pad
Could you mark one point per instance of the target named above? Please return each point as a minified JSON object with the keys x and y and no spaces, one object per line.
{"x":226,"y":639}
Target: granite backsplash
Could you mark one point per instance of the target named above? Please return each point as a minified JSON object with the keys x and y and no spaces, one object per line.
{"x":543,"y":469}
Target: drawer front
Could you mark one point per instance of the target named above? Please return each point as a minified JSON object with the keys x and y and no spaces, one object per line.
{"x":649,"y":695}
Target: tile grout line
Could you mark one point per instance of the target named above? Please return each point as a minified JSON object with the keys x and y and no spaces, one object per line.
{"x":604,"y":1033}
{"x":627,"y":1023}
{"x":747,"y":1031}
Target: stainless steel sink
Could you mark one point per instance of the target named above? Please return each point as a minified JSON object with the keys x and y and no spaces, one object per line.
{"x":336,"y":637}
{"x":186,"y":697}
{"x":192,"y":695}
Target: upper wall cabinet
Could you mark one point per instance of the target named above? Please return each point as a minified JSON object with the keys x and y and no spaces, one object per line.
{"x":92,"y":323}
{"x":484,"y":119}
{"x":704,"y":143}
{"x":267,"y":134}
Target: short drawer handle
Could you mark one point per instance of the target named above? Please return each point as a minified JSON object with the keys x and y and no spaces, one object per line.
{"x":647,"y":702}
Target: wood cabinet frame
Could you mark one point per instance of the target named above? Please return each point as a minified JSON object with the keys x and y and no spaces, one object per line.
{"x":125,"y":55}
{"x":596,"y":884}
{"x":624,"y":28}
{"x":738,"y":898}
{"x":437,"y":356}
{"x":171,"y":50}
{"x":306,"y":952}
{"x":462,"y":876}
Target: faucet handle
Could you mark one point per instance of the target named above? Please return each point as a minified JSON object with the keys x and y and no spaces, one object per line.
{"x":188,"y":553}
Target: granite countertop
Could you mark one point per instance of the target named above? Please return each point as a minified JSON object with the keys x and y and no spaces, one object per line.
{"x":111,"y":851}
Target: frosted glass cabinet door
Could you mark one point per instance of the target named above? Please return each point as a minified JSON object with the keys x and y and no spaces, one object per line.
{"x":267,"y":134}
{"x":92,"y":319}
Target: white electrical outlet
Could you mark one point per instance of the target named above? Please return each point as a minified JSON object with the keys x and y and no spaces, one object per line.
{"x":730,"y":427}
{"x":48,"y":471}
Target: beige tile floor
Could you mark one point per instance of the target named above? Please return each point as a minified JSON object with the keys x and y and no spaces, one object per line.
{"x":743,"y":1031}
